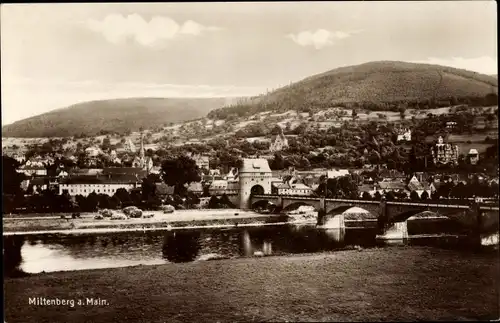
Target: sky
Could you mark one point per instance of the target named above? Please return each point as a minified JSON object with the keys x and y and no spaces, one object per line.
{"x":55,"y":55}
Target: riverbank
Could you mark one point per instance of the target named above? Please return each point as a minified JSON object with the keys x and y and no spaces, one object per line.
{"x":181,"y":218}
{"x":403,"y":284}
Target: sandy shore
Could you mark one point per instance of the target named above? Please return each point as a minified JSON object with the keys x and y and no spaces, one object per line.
{"x":182,"y":218}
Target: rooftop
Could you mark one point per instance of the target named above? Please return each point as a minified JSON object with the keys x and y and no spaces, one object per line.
{"x":122,"y":179}
{"x":255,"y":165}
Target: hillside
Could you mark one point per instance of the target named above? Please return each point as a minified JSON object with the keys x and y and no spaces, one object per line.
{"x":381,"y":83}
{"x":119,"y":115}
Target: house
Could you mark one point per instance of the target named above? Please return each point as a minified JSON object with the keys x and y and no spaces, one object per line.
{"x":370,"y":189}
{"x":99,"y":184}
{"x":444,"y":153}
{"x":219,"y":187}
{"x":93,"y":151}
{"x":404,"y":135}
{"x":62,"y":173}
{"x":203,"y":162}
{"x":33,"y":170}
{"x":163,"y":190}
{"x":473,"y":156}
{"x":391,"y":186}
{"x":155,"y":170}
{"x":39,"y":184}
{"x":195,"y":187}
{"x":414,"y":185}
{"x":293,"y":189}
{"x":337,"y":173}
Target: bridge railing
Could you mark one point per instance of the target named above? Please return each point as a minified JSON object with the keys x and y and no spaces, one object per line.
{"x":421,"y":204}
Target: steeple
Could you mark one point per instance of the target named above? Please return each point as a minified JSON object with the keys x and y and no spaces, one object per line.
{"x":141,"y":152}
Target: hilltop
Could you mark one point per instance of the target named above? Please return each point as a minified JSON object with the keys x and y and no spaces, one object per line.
{"x":113,"y":116}
{"x":384,"y":86}
{"x":378,"y":86}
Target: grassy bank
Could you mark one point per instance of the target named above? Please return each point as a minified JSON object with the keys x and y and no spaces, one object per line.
{"x":401,"y":284}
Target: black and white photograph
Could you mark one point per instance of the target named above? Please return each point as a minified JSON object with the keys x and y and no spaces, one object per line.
{"x":298,"y":161}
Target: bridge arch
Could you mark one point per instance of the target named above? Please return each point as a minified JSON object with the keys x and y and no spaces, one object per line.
{"x":290,"y":206}
{"x":262,"y":204}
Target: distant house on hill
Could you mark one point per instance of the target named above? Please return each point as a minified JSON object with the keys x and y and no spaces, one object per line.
{"x":404,"y":135}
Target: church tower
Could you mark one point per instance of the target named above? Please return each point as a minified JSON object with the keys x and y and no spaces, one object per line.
{"x":142,"y":157}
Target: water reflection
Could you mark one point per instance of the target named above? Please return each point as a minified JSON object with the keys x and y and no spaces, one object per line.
{"x":181,"y":246}
{"x":56,"y":253}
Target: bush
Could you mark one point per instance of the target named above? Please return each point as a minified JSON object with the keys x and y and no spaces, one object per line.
{"x":119,"y":216}
{"x":168,"y":209}
{"x":106,"y":213}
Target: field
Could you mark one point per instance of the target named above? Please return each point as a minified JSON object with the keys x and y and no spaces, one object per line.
{"x":400,"y":284}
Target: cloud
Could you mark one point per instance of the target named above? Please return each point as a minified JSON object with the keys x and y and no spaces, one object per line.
{"x":320,"y":38}
{"x":483,"y":64}
{"x":117,"y":28}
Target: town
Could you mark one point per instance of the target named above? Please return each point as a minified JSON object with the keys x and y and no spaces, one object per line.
{"x":57,"y":181}
{"x":250,"y":162}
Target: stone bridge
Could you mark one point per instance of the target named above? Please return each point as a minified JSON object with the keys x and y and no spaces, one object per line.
{"x":482,"y":217}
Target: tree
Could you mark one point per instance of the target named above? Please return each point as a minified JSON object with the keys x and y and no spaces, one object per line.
{"x":148,"y":186}
{"x":11,"y":179}
{"x":414,"y":196}
{"x":92,"y":202}
{"x":180,"y":171}
{"x":123,"y":196}
{"x":402,"y":111}
{"x":278,"y":163}
{"x":390,"y":196}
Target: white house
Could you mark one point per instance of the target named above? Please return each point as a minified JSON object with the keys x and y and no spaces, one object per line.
{"x":293,"y":189}
{"x":337,"y":173}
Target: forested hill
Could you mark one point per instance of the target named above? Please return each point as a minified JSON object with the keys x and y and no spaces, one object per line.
{"x":113,"y":116}
{"x":379,"y":85}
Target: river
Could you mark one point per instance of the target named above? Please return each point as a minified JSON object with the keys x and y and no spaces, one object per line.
{"x":50,"y":253}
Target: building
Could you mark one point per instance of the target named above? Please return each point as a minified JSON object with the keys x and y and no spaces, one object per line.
{"x":414,"y":185}
{"x":391,"y":186}
{"x":278,"y":142}
{"x":473,"y":156}
{"x":118,"y":171}
{"x":219,"y":187}
{"x":85,"y":185}
{"x":404,"y":135}
{"x":444,"y":154}
{"x":296,"y":189}
{"x":255,"y":178}
{"x":337,"y":173}
{"x":93,"y":151}
{"x":32,"y":170}
{"x":203,"y":162}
